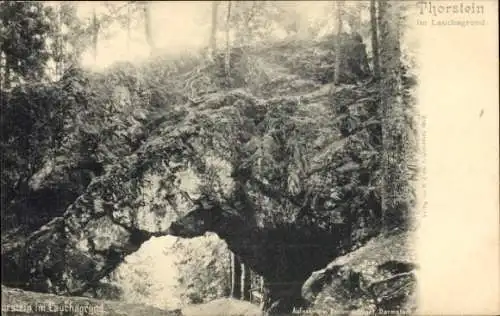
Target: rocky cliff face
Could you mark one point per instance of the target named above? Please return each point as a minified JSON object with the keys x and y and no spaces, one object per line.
{"x":136,"y":199}
{"x":297,"y":153}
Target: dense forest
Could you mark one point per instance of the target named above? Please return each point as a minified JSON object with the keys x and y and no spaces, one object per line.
{"x":275,"y":163}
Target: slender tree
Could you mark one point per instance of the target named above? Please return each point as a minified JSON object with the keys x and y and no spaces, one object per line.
{"x":147,"y":26}
{"x":243,"y":282}
{"x":95,"y":33}
{"x":246,"y":281}
{"x":396,"y":200}
{"x":3,"y":68}
{"x":213,"y":31}
{"x":58,"y":52}
{"x":374,"y":37}
{"x":228,"y":44}
{"x":338,"y":43}
{"x":247,"y":18}
{"x":355,"y":17}
{"x":129,"y":21}
{"x":76,"y":38}
{"x":235,"y":277}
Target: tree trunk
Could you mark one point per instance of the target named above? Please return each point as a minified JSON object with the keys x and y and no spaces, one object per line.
{"x":6,"y":82}
{"x":245,"y":36}
{"x":3,"y":68}
{"x":147,"y":26}
{"x":375,"y":46}
{"x":338,"y":42}
{"x":213,"y":32}
{"x":57,"y":43}
{"x":235,"y":277}
{"x":355,"y":18}
{"x":247,"y":32}
{"x":95,"y":38}
{"x":228,"y":46}
{"x":243,"y":279}
{"x":230,"y":287}
{"x":129,"y":20}
{"x":245,"y":282}
{"x":395,"y":199}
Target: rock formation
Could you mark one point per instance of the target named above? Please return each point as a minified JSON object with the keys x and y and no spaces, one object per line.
{"x":307,"y":163}
{"x":285,"y":255}
{"x":378,"y":277}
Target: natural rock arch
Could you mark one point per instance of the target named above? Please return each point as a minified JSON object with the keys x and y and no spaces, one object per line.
{"x":284,"y":255}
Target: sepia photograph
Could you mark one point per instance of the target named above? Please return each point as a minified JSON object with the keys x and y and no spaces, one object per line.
{"x":246,"y":157}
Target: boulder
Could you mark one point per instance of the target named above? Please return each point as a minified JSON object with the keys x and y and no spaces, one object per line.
{"x":376,"y":278}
